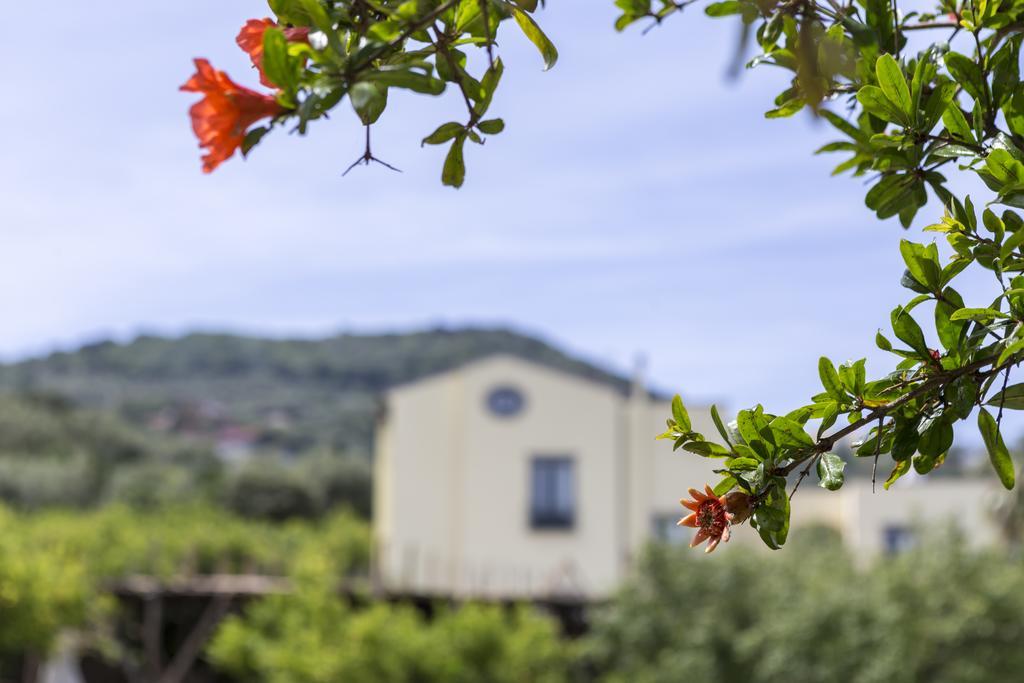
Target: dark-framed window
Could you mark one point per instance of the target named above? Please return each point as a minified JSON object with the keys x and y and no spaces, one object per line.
{"x":552,"y":492}
{"x":667,"y":531}
{"x":898,"y":538}
{"x":505,"y":401}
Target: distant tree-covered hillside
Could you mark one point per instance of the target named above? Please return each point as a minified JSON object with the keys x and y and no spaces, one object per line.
{"x":283,"y":396}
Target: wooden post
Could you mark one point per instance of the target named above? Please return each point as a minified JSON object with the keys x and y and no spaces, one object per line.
{"x":152,"y":635}
{"x":185,"y":658}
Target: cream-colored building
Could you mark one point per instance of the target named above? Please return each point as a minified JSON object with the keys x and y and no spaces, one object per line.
{"x":507,"y":478}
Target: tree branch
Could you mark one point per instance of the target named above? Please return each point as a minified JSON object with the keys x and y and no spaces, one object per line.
{"x":826,"y":443}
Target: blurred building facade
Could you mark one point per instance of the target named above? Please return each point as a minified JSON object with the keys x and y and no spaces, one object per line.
{"x":505,"y":478}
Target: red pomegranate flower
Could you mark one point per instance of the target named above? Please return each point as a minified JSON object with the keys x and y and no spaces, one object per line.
{"x":226,"y":111}
{"x":250,"y":39}
{"x":709,"y":517}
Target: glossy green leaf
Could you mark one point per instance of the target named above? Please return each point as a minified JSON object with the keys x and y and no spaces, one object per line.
{"x":679,"y":414}
{"x":830,"y":379}
{"x":454,"y":172}
{"x":901,"y":468}
{"x":894,"y":84}
{"x":997,"y":452}
{"x":790,"y":434}
{"x":1012,"y":398}
{"x":537,"y":37}
{"x":444,"y":133}
{"x":830,"y":471}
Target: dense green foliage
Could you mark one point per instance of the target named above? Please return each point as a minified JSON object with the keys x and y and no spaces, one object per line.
{"x":55,"y":566}
{"x":939,"y":613}
{"x":313,"y":637}
{"x":55,"y":455}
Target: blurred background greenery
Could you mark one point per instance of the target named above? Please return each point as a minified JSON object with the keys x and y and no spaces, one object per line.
{"x":218,"y":455}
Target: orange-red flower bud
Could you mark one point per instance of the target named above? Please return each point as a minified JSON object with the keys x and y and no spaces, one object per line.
{"x":250,"y":39}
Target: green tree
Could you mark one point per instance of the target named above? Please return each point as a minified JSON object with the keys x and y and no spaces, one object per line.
{"x":938,"y":613}
{"x":313,"y":637}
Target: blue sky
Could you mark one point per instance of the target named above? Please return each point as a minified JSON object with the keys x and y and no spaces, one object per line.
{"x":638,"y":202}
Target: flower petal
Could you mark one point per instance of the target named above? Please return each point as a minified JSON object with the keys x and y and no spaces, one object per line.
{"x":698,"y":538}
{"x":689,"y":520}
{"x":712,"y":544}
{"x":697,"y":495}
{"x":689,"y":504}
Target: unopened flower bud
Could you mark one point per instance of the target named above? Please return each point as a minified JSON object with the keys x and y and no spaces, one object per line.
{"x":738,"y":503}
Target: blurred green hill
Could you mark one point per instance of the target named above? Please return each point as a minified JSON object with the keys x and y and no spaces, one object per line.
{"x":291,"y":395}
{"x":158,"y":419}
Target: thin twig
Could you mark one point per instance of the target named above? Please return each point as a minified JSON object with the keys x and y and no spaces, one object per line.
{"x":367,"y":157}
{"x":1002,"y":398}
{"x":878,"y":451}
{"x":895,"y":29}
{"x":924,"y":26}
{"x":487,"y":31}
{"x":803,"y":475}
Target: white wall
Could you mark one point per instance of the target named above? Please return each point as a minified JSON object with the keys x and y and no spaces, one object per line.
{"x":454,"y":516}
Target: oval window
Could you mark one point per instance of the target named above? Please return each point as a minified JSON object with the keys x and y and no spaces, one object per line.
{"x":505,"y":401}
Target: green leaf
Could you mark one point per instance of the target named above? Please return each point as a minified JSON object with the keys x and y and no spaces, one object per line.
{"x":922,"y":262}
{"x":369,"y":101}
{"x":894,"y":84}
{"x":977,"y":314}
{"x":771,"y":518}
{"x":717,"y":419}
{"x":790,"y":434}
{"x":901,"y":468}
{"x":488,"y":85}
{"x":1012,"y":398}
{"x":1014,"y":347}
{"x":491,"y":126}
{"x":905,"y":440}
{"x":252,"y":138}
{"x":950,"y":331}
{"x":454,"y":172}
{"x":966,"y":73}
{"x":907,"y":329}
{"x":410,"y":80}
{"x":956,"y":123}
{"x":282,"y":70}
{"x":997,"y":453}
{"x":751,"y":424}
{"x":537,"y":37}
{"x":708,"y":449}
{"x":830,"y":471}
{"x":830,"y":380}
{"x":724,"y":9}
{"x":936,"y":438}
{"x":444,"y":133}
{"x":874,"y":101}
{"x":680,"y":415}
{"x":723,"y":487}
{"x":742,"y":464}
{"x":961,"y":394}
